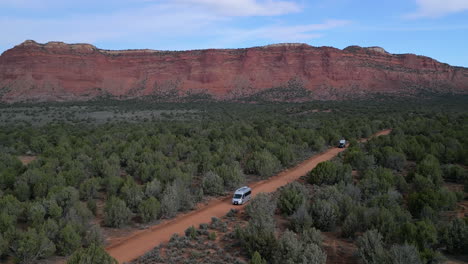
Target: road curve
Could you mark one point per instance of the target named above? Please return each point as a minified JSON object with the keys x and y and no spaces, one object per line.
{"x":140,"y":242}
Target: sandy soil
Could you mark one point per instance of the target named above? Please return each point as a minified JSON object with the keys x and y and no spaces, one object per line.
{"x":135,"y":245}
{"x":27,"y":159}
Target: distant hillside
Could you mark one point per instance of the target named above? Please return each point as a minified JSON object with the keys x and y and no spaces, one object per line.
{"x":281,"y":72}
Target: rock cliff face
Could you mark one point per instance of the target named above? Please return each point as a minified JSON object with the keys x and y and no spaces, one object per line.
{"x":293,"y":72}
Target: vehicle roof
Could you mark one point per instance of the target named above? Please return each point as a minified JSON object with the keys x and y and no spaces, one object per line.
{"x":243,"y":189}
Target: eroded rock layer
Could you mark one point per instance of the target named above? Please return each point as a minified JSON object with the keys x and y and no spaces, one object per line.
{"x":291,"y":72}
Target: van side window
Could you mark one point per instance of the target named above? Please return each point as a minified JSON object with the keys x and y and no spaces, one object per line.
{"x":247,"y":193}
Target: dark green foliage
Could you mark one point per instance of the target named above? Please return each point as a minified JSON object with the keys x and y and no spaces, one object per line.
{"x":191,"y":232}
{"x":29,"y":246}
{"x":257,"y":259}
{"x":213,"y":184}
{"x":89,"y":188}
{"x":262,"y":163}
{"x":166,"y":157}
{"x":328,"y":172}
{"x":371,"y":248}
{"x":291,"y":197}
{"x":131,"y":193}
{"x":404,"y":254}
{"x":324,"y":215}
{"x":68,"y":240}
{"x":92,"y":254}
{"x":301,"y":219}
{"x":456,"y":237}
{"x":149,"y":209}
{"x":259,"y":234}
{"x":116,"y":213}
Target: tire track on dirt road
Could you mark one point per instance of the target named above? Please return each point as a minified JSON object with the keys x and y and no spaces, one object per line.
{"x":140,"y":242}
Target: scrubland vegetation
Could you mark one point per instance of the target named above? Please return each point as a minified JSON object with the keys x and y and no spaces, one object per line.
{"x":388,"y":195}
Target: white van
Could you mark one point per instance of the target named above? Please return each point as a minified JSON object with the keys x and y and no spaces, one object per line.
{"x":242,"y":195}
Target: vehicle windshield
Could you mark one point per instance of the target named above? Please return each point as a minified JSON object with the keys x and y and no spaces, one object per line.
{"x":237,"y":196}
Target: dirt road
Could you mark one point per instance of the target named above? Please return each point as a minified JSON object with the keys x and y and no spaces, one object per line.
{"x":143,"y":241}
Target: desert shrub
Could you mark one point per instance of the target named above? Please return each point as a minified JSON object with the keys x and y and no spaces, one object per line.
{"x":261,"y":210}
{"x":36,"y":213}
{"x":68,"y":240}
{"x":92,"y":254}
{"x":212,"y":236}
{"x":232,"y":212}
{"x":3,"y":245}
{"x":53,"y":209}
{"x":116,"y":213}
{"x":153,"y":189}
{"x":89,"y":188}
{"x":429,"y":167}
{"x":291,"y":197}
{"x":149,"y":209}
{"x":329,"y":172}
{"x":11,"y":206}
{"x":29,"y":246}
{"x":131,"y":193}
{"x":176,"y":197}
{"x":289,"y":248}
{"x":456,"y":237}
{"x":257,"y":259}
{"x":50,"y":228}
{"x":392,"y":159}
{"x":358,"y":159}
{"x":324,"y":214}
{"x":350,"y":225}
{"x":313,"y":254}
{"x":232,"y":175}
{"x":262,"y":163}
{"x":455,"y":173}
{"x":191,"y":232}
{"x":93,"y":236}
{"x":113,"y":184}
{"x":212,"y":184}
{"x":404,"y":254}
{"x":92,"y":206}
{"x":259,"y":233}
{"x":371,"y":248}
{"x":65,"y":197}
{"x":312,"y":236}
{"x":301,"y":219}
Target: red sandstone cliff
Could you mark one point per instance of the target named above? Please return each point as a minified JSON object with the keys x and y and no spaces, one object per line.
{"x":59,"y":71}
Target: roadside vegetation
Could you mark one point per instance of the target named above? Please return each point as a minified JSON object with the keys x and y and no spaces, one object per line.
{"x":388,"y":198}
{"x":92,"y":175}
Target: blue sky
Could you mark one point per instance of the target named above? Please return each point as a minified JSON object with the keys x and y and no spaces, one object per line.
{"x":434,"y":28}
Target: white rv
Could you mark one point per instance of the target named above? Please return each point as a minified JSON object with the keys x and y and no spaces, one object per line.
{"x":242,"y":195}
{"x":342,"y":143}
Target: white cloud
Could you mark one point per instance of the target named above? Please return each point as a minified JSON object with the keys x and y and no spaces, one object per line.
{"x":281,"y":33}
{"x":438,"y":8}
{"x":246,"y":7}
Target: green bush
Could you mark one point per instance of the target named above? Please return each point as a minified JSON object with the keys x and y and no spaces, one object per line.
{"x":324,"y":214}
{"x":29,"y":246}
{"x":212,"y":184}
{"x":291,"y":197}
{"x":116,"y":213}
{"x":263,"y":163}
{"x":149,"y":209}
{"x":257,"y":259}
{"x":93,"y":254}
{"x":456,"y":237}
{"x":371,"y":248}
{"x":68,"y":240}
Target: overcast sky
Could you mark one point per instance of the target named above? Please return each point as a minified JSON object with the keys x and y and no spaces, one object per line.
{"x":434,"y":28}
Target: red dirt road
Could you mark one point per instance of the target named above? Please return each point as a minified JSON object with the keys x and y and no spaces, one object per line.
{"x":140,"y":242}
